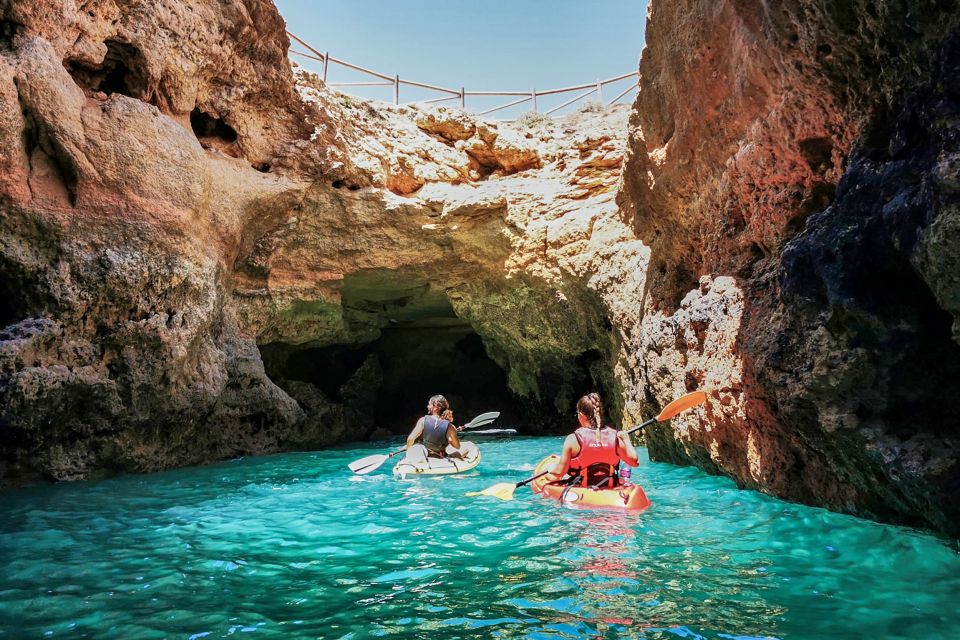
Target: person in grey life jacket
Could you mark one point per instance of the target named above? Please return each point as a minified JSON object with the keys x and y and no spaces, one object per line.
{"x":434,"y":435}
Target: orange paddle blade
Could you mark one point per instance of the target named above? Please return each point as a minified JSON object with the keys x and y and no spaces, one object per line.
{"x":681,"y":404}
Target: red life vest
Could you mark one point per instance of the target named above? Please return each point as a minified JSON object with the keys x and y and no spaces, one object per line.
{"x":598,"y":456}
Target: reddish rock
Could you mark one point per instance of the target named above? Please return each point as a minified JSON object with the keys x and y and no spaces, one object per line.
{"x":782,"y":148}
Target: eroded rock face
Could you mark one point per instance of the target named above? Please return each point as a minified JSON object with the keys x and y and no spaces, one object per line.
{"x":804,"y":152}
{"x":174,"y":201}
{"x":205,"y":253}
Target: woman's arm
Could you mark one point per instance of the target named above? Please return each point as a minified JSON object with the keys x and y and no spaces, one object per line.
{"x":452,"y":438}
{"x":563,"y":465}
{"x":415,"y":434}
{"x":626,"y":450}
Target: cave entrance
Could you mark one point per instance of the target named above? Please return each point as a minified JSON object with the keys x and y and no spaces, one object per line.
{"x":123,"y":70}
{"x":416,"y":347}
{"x":388,"y":381}
{"x":407,"y":345}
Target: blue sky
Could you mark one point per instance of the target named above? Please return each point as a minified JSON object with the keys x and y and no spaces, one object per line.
{"x":493,"y":45}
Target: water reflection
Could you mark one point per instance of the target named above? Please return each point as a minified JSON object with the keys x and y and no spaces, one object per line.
{"x":293,"y":546}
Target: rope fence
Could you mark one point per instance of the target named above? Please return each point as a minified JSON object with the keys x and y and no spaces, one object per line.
{"x":461,"y":94}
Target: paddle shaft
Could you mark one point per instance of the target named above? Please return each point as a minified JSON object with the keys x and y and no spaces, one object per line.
{"x":375,"y":464}
{"x":529,"y":480}
{"x":641,"y":426}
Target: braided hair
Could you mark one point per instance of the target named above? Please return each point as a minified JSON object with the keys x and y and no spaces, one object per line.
{"x":591,"y":406}
{"x":439,"y":403}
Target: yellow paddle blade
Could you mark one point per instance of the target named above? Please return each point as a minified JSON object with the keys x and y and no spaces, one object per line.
{"x":681,"y":404}
{"x":502,"y":490}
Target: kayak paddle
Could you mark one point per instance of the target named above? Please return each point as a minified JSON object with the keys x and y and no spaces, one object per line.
{"x":482,"y":419}
{"x":676,"y":407}
{"x":366,"y":465}
{"x":504,"y":490}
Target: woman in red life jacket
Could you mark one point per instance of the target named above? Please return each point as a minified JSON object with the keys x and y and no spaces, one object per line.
{"x":592,"y":453}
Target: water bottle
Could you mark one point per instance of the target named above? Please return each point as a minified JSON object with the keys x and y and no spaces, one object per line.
{"x":624,"y":474}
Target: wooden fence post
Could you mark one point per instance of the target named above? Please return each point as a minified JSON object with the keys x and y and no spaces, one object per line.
{"x":533,"y":97}
{"x":599,"y":91}
{"x":326,"y":63}
{"x":463,"y":98}
{"x":396,"y":89}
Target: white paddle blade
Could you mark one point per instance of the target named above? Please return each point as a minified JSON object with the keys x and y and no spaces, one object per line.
{"x":489,"y":432}
{"x":483,"y":418}
{"x":368,"y":464}
{"x":475,"y":424}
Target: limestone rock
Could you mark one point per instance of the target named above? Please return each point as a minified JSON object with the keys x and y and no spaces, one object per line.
{"x":784,"y":146}
{"x":174,"y":197}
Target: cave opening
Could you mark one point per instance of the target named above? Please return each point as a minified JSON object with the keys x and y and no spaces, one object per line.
{"x":206,"y":126}
{"x":18,"y":295}
{"x":123,"y":71}
{"x":214,"y":133}
{"x":411,"y":345}
{"x":387,"y":382}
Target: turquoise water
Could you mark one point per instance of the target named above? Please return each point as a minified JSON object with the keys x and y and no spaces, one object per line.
{"x":293,"y":546}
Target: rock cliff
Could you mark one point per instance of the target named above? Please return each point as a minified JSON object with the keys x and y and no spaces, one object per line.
{"x":792,"y":167}
{"x":179,"y":211}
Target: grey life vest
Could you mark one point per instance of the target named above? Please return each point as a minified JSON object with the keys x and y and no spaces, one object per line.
{"x":435,"y":435}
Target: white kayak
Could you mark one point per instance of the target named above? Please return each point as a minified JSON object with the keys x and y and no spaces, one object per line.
{"x":416,"y":463}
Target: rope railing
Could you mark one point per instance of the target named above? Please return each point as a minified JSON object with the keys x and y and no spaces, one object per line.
{"x":395,"y":81}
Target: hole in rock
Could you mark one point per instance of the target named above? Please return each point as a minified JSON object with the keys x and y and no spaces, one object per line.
{"x":123,"y":71}
{"x":8,"y":31}
{"x":214,"y":133}
{"x":818,"y":152}
{"x":11,"y":310}
{"x":19,"y":298}
{"x":206,"y":126}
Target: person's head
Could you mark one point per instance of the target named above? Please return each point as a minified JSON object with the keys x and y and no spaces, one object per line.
{"x":437,"y":405}
{"x":590,"y":411}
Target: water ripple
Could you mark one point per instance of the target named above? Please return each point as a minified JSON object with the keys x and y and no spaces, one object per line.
{"x":294,"y":546}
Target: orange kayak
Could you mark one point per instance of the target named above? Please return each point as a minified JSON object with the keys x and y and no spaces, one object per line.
{"x":626,"y":497}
